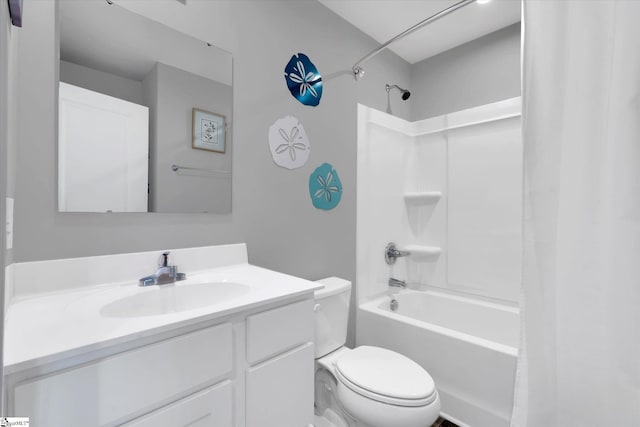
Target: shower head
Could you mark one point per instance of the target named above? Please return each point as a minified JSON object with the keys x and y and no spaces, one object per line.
{"x":405,"y":93}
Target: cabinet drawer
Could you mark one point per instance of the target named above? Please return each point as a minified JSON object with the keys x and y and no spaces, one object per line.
{"x":278,"y":330}
{"x":120,"y":387}
{"x":280,"y":391}
{"x":210,"y":407}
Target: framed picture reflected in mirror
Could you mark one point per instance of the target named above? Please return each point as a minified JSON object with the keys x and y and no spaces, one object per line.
{"x":208,"y":131}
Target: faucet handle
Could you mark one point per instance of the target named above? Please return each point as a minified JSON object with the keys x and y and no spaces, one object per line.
{"x":391,"y":253}
{"x":163,"y":261}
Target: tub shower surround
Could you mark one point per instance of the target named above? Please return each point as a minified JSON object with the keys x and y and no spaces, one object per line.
{"x":451,"y":197}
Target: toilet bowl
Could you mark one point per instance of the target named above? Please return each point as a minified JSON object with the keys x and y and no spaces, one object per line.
{"x":366,"y":386}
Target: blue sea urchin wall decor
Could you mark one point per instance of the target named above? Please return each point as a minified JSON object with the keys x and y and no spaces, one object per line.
{"x":303,"y":80}
{"x":325,"y":187}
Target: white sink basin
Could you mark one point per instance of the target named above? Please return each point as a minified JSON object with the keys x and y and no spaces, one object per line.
{"x":165,"y":299}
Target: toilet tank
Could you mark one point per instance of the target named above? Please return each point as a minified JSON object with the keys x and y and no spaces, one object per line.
{"x":331,"y":314}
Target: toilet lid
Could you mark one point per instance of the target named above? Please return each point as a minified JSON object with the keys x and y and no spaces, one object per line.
{"x":384,"y":373}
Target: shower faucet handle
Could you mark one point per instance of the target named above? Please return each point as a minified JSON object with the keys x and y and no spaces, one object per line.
{"x":391,"y":253}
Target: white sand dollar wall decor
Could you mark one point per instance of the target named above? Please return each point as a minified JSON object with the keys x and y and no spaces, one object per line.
{"x":290,"y":147}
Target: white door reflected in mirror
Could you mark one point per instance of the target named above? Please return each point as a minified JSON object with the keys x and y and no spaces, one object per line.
{"x":101,"y":137}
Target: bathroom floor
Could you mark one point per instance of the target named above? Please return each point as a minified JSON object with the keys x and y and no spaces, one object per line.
{"x":319,"y":421}
{"x":441,"y":422}
{"x":323,"y":422}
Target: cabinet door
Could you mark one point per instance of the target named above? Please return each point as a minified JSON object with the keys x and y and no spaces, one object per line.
{"x":280,"y":390}
{"x":121,"y":387}
{"x":275,"y":331}
{"x":208,"y":408}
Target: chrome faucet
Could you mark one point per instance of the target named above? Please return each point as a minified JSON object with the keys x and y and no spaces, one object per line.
{"x":165,"y":274}
{"x":391,"y":252}
{"x":397,"y":283}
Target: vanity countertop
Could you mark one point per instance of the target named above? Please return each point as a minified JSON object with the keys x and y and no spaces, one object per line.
{"x":44,"y":328}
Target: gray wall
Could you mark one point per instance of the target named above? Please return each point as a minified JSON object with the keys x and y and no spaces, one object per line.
{"x":272,"y":210}
{"x":100,"y":81}
{"x":8,"y":114}
{"x":482,"y":71}
{"x":5,"y":27}
{"x":178,"y":92}
{"x":8,"y":111}
{"x":150,"y":99}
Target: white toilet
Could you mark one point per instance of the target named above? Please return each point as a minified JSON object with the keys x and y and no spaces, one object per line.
{"x":366,"y":386}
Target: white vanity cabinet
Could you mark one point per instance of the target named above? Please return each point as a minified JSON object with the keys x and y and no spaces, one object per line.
{"x":247,"y":370}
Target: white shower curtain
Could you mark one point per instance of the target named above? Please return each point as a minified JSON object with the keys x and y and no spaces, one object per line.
{"x":580,"y":355}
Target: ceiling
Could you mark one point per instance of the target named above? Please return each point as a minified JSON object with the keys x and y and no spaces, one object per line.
{"x":115,"y":40}
{"x":384,"y":19}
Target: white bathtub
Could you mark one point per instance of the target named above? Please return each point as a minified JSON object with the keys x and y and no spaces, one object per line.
{"x":468,"y":346}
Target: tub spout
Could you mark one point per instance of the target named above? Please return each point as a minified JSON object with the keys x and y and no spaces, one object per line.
{"x":397,"y":283}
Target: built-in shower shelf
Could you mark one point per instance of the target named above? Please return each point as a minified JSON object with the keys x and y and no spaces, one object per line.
{"x":422,"y":197}
{"x":422,"y":253}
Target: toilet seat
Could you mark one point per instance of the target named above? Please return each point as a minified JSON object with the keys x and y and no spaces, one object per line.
{"x":385,"y":376}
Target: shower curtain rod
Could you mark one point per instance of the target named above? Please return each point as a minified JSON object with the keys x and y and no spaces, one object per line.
{"x":357,"y":69}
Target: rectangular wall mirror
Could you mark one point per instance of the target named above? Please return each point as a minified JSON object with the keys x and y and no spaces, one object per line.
{"x":144,"y":115}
